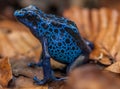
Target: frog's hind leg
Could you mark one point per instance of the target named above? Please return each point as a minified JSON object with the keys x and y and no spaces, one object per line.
{"x":81,"y":60}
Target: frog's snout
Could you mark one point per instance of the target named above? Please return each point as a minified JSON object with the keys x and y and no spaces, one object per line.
{"x":18,"y":13}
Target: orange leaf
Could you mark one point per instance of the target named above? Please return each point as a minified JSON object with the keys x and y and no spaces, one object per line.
{"x":5,"y":71}
{"x":114,"y":67}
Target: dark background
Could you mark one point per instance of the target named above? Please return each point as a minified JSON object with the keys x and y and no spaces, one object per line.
{"x":7,"y":7}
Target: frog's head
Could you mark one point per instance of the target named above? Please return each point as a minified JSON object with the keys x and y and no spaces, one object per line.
{"x":29,"y":16}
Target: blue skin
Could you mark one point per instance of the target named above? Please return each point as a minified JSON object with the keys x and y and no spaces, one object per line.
{"x":60,"y":40}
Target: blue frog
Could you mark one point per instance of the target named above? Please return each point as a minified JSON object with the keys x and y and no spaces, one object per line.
{"x":60,"y":40}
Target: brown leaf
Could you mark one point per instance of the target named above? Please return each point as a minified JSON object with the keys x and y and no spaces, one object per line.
{"x":114,"y":67}
{"x":20,"y":68}
{"x":5,"y":71}
{"x":103,"y":19}
{"x":57,"y":85}
{"x":6,"y":48}
{"x":110,"y":35}
{"x":95,"y":23}
{"x":26,"y":83}
{"x":92,"y":77}
{"x":17,"y":40}
{"x":86,"y":22}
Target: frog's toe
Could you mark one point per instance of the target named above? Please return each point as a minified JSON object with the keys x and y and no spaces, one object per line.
{"x":39,"y":82}
{"x":44,"y":81}
{"x":60,"y":79}
{"x":33,"y":64}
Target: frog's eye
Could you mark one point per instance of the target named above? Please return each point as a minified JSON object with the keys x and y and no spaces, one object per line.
{"x":31,"y":17}
{"x":28,"y":14}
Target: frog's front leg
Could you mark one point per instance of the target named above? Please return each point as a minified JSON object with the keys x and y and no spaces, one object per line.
{"x":47,"y":70}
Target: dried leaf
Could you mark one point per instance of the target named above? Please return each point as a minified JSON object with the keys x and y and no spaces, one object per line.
{"x":114,"y":67}
{"x":17,"y":40}
{"x":110,"y":35}
{"x":92,"y":77}
{"x":26,"y":83}
{"x":103,"y":19}
{"x":6,"y":47}
{"x":20,"y":67}
{"x":86,"y":22}
{"x":95,"y":23}
{"x":5,"y":71}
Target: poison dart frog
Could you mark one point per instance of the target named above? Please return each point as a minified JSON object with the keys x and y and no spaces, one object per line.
{"x":60,"y":40}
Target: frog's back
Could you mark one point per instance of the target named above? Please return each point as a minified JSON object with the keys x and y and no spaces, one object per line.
{"x":62,"y":46}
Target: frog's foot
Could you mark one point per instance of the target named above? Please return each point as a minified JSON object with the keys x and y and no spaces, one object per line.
{"x":45,"y":80}
{"x":33,"y":64}
{"x":39,"y":82}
